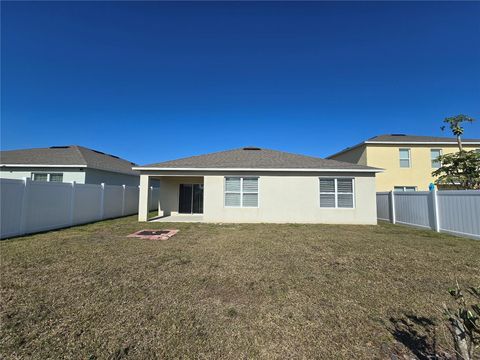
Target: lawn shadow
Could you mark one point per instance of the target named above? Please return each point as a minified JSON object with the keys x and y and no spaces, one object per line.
{"x":418,"y":334}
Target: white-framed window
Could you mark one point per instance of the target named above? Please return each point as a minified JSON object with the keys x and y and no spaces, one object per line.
{"x":337,"y":193}
{"x":56,"y":177}
{"x":405,"y":188}
{"x":53,"y":177}
{"x":405,"y":158}
{"x":40,"y":176}
{"x":434,"y":154}
{"x":241,"y":191}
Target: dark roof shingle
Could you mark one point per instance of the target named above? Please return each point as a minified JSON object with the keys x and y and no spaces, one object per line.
{"x":415,"y":138}
{"x":407,"y":139}
{"x":256,"y":159}
{"x":67,"y":155}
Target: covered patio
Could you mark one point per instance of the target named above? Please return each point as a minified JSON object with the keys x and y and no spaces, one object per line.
{"x":180,"y":198}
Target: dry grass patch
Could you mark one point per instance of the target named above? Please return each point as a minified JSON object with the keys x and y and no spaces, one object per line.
{"x":229,"y":291}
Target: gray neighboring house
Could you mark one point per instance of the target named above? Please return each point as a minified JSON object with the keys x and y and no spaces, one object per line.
{"x":67,"y":164}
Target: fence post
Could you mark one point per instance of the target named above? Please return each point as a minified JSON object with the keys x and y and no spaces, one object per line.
{"x":123,"y":200}
{"x":102,"y":201}
{"x":392,"y":201}
{"x":24,"y":211}
{"x":436,"y":214}
{"x":72,"y":204}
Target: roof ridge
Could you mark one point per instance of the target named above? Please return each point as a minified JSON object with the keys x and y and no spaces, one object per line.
{"x":240,"y":158}
{"x":78,"y":150}
{"x":195,"y":156}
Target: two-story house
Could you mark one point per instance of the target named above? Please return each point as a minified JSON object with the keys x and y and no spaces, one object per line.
{"x":408,"y":160}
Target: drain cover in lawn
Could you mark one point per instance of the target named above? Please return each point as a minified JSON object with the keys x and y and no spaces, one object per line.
{"x":154,"y":234}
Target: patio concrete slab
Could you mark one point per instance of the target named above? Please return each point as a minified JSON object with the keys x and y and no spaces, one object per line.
{"x":193,"y":218}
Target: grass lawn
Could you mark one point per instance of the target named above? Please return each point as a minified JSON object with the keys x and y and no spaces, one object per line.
{"x":229,"y":291}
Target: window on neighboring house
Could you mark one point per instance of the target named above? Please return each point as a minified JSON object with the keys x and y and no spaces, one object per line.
{"x":405,"y":188}
{"x":434,"y":154}
{"x":336,"y":193}
{"x":404,"y":158}
{"x":241,"y":192}
{"x":54,"y":177}
{"x":40,"y":177}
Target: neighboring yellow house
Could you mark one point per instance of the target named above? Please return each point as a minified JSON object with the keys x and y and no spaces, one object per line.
{"x":408,"y":160}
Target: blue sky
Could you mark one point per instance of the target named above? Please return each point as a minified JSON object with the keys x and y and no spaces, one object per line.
{"x":154,"y":81}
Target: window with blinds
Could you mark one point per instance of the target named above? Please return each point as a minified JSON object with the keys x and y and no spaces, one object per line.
{"x":336,"y":193}
{"x":241,"y":192}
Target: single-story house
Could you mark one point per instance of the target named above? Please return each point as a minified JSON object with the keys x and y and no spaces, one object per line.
{"x":251,"y":184}
{"x":67,"y":164}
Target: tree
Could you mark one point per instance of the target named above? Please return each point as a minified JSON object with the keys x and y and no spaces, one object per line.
{"x":455,"y":123}
{"x":461,"y":169}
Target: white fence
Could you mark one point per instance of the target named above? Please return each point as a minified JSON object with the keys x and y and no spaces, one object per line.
{"x":455,"y":212}
{"x":33,"y":206}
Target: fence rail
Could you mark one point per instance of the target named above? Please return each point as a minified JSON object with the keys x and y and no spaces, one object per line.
{"x":33,"y":206}
{"x":455,"y":212}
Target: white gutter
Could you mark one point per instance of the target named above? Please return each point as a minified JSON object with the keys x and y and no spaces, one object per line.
{"x":256,"y":169}
{"x":45,"y":165}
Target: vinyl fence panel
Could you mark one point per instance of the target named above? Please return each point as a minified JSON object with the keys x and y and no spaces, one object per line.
{"x":154,"y":196}
{"x":131,"y":200}
{"x":112,"y":201}
{"x":459,"y":212}
{"x":48,"y":207}
{"x":32,"y":206}
{"x":88,"y":203}
{"x":455,"y":212}
{"x":11,"y":201}
{"x":383,"y":206}
{"x":413,"y":208}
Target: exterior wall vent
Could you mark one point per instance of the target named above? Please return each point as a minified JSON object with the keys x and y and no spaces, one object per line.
{"x":251,"y":148}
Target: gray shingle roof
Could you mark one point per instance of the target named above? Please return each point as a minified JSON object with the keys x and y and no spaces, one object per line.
{"x":67,"y":155}
{"x":409,"y":139}
{"x":256,"y":159}
{"x":414,"y":138}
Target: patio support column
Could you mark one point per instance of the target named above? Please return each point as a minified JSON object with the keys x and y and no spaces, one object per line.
{"x":143,"y":197}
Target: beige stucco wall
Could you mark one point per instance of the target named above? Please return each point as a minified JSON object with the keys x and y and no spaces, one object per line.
{"x":283,"y":197}
{"x":291,"y":199}
{"x":356,"y":155}
{"x":419,"y":173}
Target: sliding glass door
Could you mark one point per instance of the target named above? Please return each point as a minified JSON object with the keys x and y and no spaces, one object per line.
{"x":190,"y":199}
